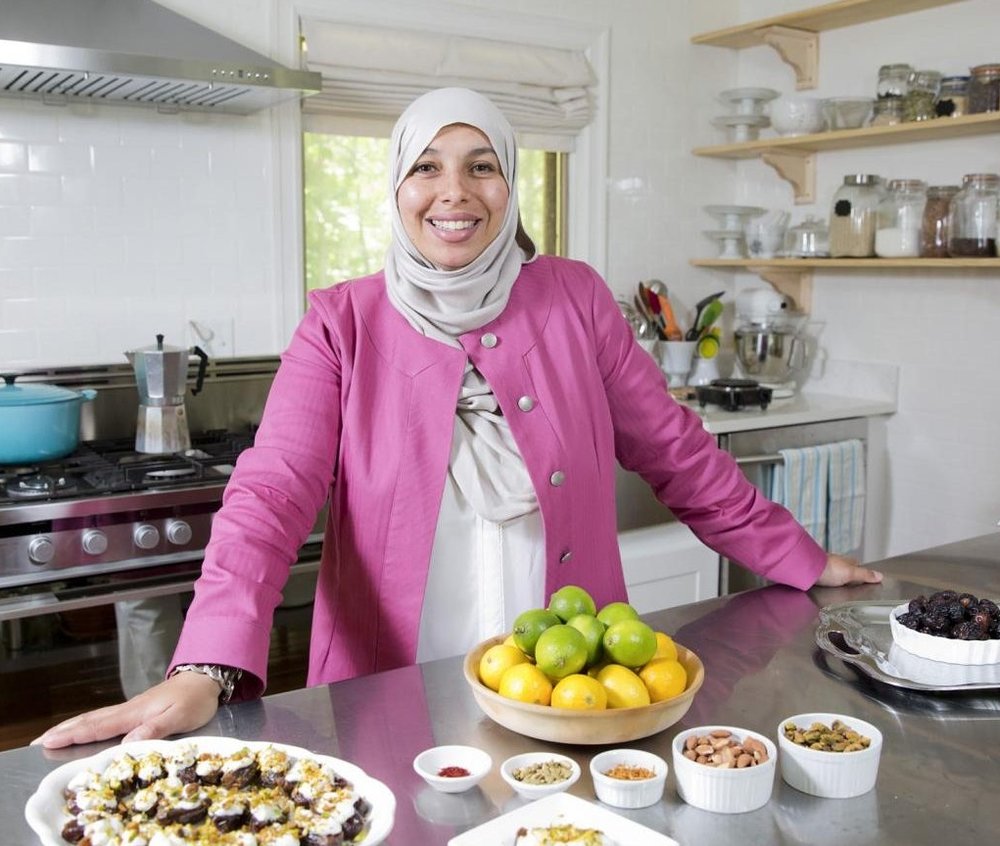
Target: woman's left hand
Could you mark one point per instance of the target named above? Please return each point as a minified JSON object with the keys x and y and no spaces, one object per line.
{"x":845,"y":571}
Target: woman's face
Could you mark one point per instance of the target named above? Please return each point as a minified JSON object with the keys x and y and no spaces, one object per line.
{"x":453,"y":200}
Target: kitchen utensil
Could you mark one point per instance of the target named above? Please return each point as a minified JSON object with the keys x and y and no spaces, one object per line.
{"x":161,"y":379}
{"x":708,"y":316}
{"x":762,"y":307}
{"x":673,"y":329}
{"x":772,"y":355}
{"x":709,"y":343}
{"x":39,"y":422}
{"x":560,"y":725}
{"x":692,"y":333}
{"x":676,"y":358}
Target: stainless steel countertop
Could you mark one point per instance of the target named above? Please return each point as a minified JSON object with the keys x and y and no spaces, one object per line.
{"x":801,"y":408}
{"x":937,"y":782}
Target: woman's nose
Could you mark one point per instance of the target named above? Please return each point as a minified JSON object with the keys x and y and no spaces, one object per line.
{"x":454,"y":185}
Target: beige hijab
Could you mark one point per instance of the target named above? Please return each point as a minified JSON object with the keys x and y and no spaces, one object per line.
{"x":486,"y":465}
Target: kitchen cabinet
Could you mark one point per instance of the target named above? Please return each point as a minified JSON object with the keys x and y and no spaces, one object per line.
{"x":794,"y":157}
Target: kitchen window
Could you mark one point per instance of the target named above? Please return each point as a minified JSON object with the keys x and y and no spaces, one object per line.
{"x":346,"y":214}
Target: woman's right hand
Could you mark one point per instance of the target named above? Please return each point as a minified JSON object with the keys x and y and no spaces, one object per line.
{"x":183,"y":702}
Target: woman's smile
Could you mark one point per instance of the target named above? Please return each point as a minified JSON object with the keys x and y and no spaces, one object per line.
{"x":453,"y":200}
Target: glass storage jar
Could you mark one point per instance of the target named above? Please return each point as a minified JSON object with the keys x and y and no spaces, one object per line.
{"x":974,"y":217}
{"x":852,"y":216}
{"x":886,"y":112}
{"x":892,"y":80}
{"x":984,"y":89}
{"x":953,"y":98}
{"x":921,"y":94}
{"x":936,"y":222}
{"x":899,"y":216}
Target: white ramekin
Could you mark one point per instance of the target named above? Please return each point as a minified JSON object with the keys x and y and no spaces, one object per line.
{"x":622,"y":793}
{"x":832,"y":775}
{"x":537,"y":791}
{"x":724,"y":791}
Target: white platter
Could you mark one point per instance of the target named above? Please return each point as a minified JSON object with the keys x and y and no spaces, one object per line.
{"x":734,"y":95}
{"x":561,"y":809}
{"x":758,"y":121}
{"x":45,"y":809}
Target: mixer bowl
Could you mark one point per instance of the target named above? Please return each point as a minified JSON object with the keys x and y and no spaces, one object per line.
{"x":770,"y":355}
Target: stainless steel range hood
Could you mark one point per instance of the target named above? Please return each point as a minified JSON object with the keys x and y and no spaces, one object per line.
{"x":135,"y":52}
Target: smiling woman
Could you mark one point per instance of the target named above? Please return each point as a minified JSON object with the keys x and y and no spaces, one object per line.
{"x":347,"y":215}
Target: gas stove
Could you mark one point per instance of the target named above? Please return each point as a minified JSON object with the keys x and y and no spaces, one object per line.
{"x":107,"y":507}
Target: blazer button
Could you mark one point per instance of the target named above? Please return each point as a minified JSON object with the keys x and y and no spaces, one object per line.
{"x":557,"y":478}
{"x":566,"y":557}
{"x":525,"y":403}
{"x":489,"y":340}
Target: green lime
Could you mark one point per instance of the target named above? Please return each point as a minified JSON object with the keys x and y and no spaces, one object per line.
{"x":571,"y":600}
{"x":560,"y":651}
{"x":615,"y":611}
{"x":630,"y":643}
{"x":592,"y":630}
{"x":528,"y":625}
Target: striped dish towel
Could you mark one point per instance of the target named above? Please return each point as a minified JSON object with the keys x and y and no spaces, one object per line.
{"x":846,"y":491}
{"x":800,"y":483}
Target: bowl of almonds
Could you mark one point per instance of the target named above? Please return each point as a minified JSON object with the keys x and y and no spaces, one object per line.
{"x":829,"y":755}
{"x":724,"y":769}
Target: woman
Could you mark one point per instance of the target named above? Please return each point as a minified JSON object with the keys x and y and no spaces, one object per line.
{"x":463,"y":410}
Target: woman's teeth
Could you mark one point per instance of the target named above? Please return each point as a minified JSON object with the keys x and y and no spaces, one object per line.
{"x":453,"y":225}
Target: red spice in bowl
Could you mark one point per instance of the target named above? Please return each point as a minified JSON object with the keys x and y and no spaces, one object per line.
{"x":453,"y":772}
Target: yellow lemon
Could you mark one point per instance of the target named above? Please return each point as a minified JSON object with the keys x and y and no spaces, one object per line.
{"x":665,"y":647}
{"x":664,"y":678}
{"x":624,"y":688}
{"x":579,"y":693}
{"x":526,"y":683}
{"x":496,"y":661}
{"x":509,"y":641}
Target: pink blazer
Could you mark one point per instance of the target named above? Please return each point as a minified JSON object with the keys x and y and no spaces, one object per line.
{"x":361,"y":411}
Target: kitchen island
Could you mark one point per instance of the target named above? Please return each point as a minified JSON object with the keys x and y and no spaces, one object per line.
{"x":937,"y":781}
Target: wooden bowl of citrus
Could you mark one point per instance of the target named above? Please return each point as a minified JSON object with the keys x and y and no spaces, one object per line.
{"x":574,"y":718}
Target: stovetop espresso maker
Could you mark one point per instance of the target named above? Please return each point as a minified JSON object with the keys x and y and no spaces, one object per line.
{"x":161,"y":374}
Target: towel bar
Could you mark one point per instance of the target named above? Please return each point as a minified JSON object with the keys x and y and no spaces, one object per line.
{"x":765,"y":458}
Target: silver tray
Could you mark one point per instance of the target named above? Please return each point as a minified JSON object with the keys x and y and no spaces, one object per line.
{"x":858,"y":633}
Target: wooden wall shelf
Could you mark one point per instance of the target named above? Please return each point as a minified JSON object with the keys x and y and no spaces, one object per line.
{"x":794,"y":35}
{"x":793,"y":277}
{"x":793,"y":157}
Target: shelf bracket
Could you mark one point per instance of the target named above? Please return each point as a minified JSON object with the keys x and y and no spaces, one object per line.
{"x":798,"y":48}
{"x":797,"y":167}
{"x":796,"y":284}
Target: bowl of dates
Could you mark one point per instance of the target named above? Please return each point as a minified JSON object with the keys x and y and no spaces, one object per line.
{"x":948,"y":626}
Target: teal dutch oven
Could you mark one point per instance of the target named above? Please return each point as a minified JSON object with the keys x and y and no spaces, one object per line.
{"x":39,"y":422}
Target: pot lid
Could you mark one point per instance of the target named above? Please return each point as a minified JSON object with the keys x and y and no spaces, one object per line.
{"x":12,"y":395}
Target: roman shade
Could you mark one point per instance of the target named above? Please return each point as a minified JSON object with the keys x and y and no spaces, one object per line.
{"x":371,"y":73}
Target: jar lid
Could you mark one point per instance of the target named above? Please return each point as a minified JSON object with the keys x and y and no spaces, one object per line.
{"x":942,"y":189}
{"x":862,"y":179}
{"x":954,"y":80}
{"x":980,"y":177}
{"x":985,"y":70}
{"x":897,"y":68}
{"x":12,"y":395}
{"x":907,"y":185}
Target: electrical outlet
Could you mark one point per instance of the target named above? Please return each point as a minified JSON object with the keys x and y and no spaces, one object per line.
{"x":214,"y":335}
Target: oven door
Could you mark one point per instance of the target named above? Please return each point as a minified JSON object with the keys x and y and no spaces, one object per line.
{"x":75,"y":644}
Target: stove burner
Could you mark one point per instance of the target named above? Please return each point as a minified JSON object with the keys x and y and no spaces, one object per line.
{"x":733,"y":394}
{"x":173,"y":473}
{"x":37,"y":485}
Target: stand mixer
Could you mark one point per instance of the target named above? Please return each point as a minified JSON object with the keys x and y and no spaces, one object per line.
{"x":769,"y":346}
{"x":161,"y":378}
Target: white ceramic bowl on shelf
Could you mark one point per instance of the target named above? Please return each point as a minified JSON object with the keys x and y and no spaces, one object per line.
{"x":628,"y":793}
{"x":830,"y":775}
{"x":799,"y":115}
{"x":529,"y":791}
{"x":724,"y":791}
{"x":429,"y":763}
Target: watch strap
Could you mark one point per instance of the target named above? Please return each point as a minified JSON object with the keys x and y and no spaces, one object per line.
{"x":226,"y":677}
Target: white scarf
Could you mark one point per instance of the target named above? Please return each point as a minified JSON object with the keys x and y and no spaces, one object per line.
{"x":442,"y":304}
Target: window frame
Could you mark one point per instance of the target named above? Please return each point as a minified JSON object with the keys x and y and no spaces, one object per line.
{"x":587,"y":219}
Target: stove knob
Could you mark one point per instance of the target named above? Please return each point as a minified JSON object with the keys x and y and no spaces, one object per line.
{"x":179,"y":532}
{"x":94,"y":542}
{"x":41,"y":550}
{"x":146,"y":536}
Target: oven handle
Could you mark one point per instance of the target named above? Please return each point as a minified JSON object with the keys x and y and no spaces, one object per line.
{"x":38,"y":604}
{"x":765,"y":458}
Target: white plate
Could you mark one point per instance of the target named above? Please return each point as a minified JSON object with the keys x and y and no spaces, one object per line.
{"x":739,"y":211}
{"x":45,"y":810}
{"x":561,"y":809}
{"x":757,"y":121}
{"x":734,"y":95}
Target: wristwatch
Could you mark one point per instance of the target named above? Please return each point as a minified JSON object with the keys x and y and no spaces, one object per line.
{"x":225,"y":676}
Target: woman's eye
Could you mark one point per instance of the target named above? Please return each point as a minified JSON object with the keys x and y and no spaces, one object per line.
{"x":423,"y":167}
{"x":483,"y":167}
